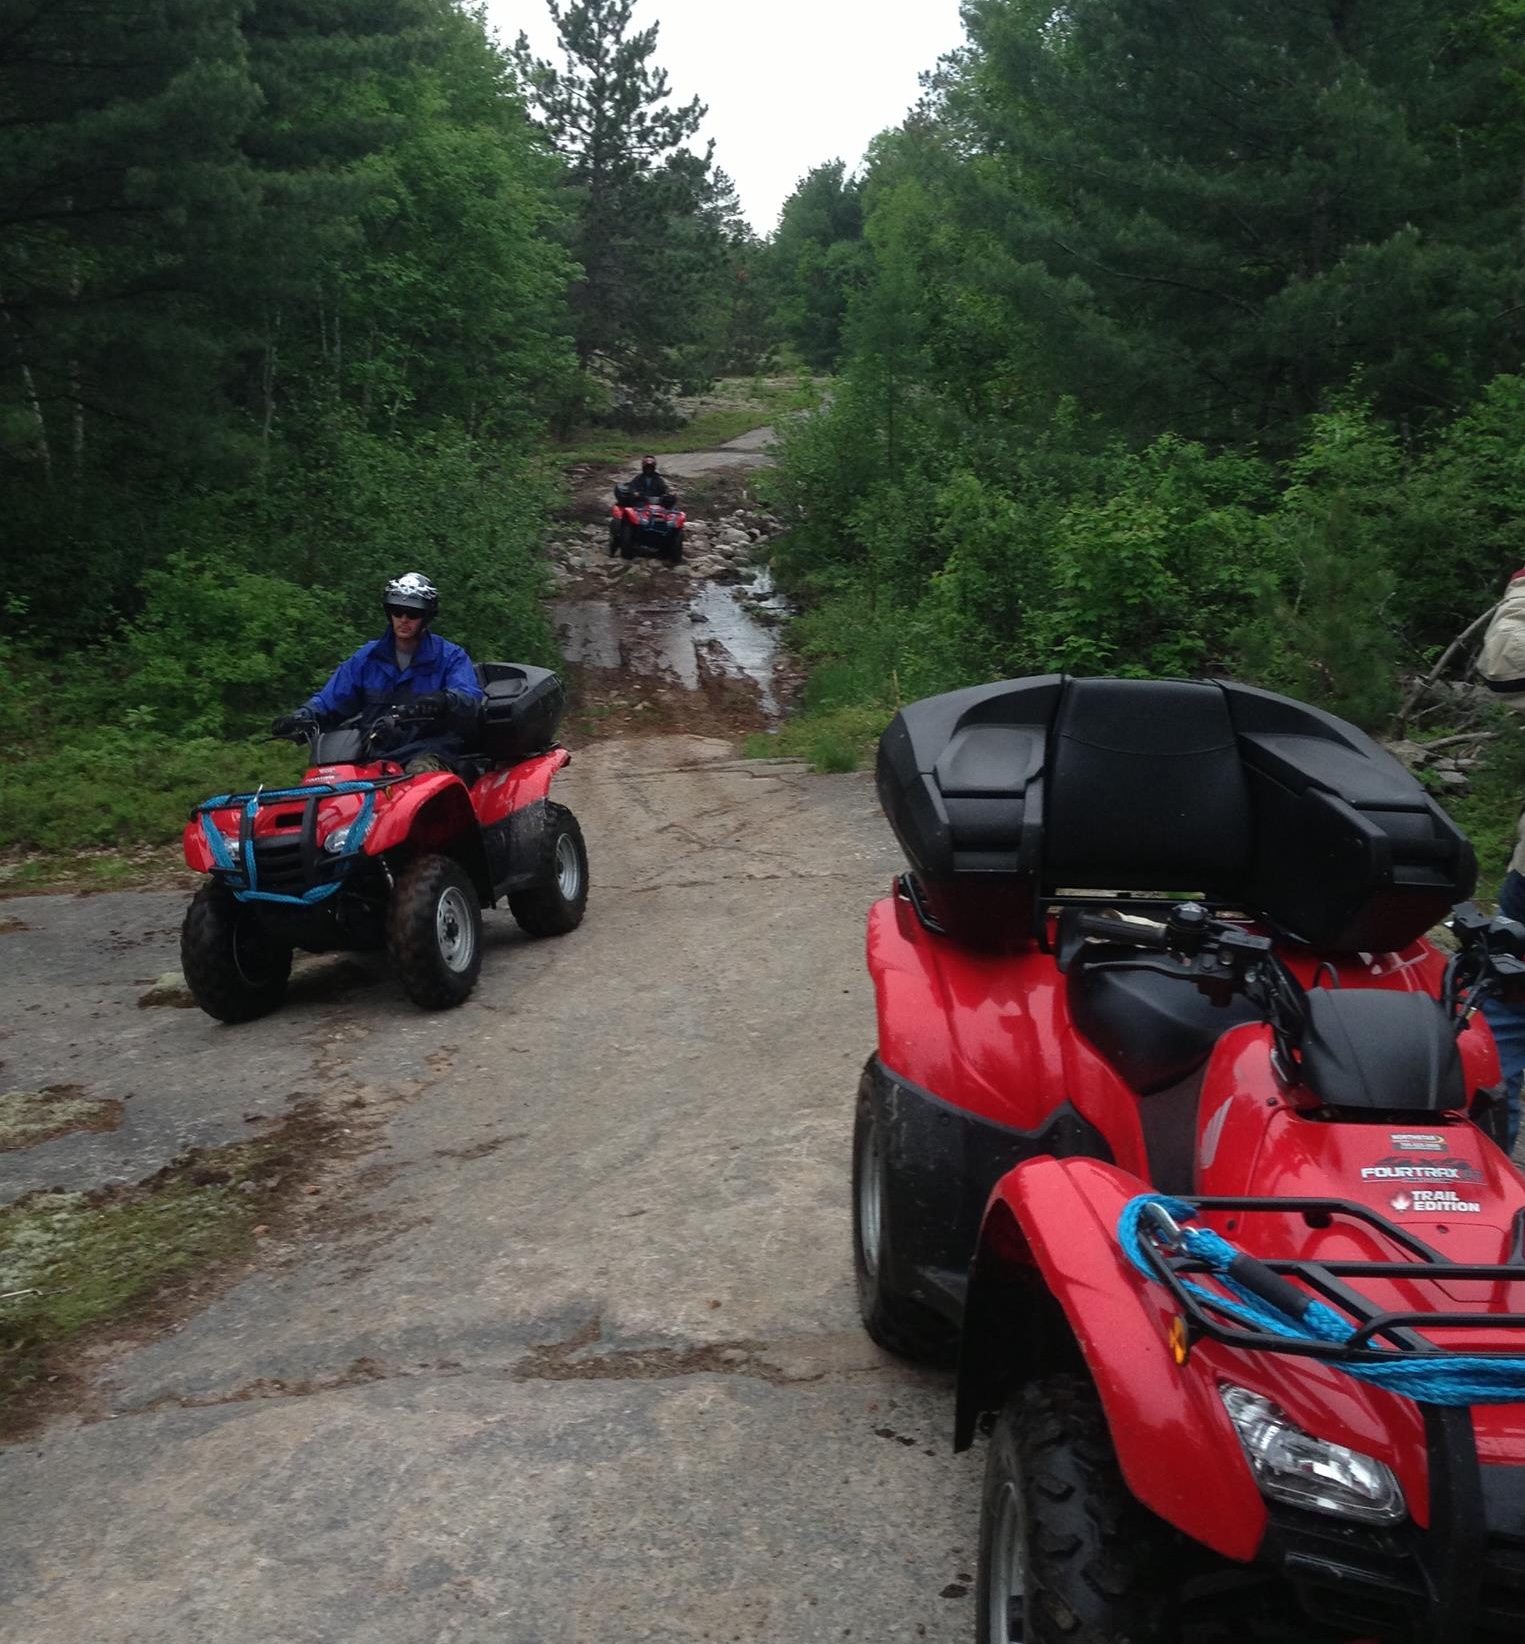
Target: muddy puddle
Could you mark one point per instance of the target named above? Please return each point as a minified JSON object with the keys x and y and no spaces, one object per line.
{"x":682,"y":637}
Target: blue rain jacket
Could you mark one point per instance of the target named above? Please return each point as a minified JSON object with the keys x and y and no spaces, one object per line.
{"x":371,"y":679}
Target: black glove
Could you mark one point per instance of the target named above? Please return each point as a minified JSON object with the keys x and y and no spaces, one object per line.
{"x":429,"y":706}
{"x":301,"y":722}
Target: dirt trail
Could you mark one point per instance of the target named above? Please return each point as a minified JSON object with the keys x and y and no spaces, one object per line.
{"x":570,"y":1350}
{"x":691,"y":648}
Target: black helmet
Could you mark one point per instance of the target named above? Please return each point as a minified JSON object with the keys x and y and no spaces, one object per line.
{"x":412,"y":591}
{"x":648,"y":465}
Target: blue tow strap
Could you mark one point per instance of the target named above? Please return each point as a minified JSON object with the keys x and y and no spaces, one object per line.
{"x":1444,"y":1378}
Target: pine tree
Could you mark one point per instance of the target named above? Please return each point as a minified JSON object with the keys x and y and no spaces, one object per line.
{"x":638,"y":190}
{"x":815,"y":260}
{"x":1231,"y":210}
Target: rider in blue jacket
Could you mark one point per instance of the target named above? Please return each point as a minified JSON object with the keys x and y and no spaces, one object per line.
{"x":409,"y":665}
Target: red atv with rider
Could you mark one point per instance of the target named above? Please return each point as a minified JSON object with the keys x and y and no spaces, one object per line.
{"x":362,"y":856}
{"x":1183,"y":1138}
{"x":640,"y":524}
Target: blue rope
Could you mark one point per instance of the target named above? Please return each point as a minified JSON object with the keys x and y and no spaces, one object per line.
{"x":326,"y":790}
{"x":251,"y":892}
{"x":1444,"y":1378}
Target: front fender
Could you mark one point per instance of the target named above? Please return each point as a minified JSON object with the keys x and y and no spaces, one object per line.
{"x":1053,"y":1223}
{"x":432,"y":813}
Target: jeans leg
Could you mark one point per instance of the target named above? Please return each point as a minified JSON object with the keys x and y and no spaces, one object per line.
{"x":1507,"y":1021}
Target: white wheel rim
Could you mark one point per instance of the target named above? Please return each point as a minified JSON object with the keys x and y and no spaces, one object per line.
{"x":1007,"y":1563}
{"x":568,"y":868}
{"x":454,"y":930}
{"x":871,"y":1200}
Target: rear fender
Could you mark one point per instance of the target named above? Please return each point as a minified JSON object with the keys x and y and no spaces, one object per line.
{"x":432,"y":815}
{"x":500,"y":793}
{"x":1049,"y":1239}
{"x":511,"y":808}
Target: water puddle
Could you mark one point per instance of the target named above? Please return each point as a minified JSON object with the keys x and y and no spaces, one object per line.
{"x":713,"y":629}
{"x":741,"y":642}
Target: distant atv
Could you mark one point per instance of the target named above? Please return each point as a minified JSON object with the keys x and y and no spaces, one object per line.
{"x":360,"y":856}
{"x":646,"y":525}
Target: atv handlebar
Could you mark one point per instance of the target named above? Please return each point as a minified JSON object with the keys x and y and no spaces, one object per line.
{"x":1136,"y":933}
{"x":1188,"y":931}
{"x":1490,"y":962}
{"x":1218,"y":957}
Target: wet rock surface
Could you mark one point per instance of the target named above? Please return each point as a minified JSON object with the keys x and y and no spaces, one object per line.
{"x":573,"y":1350}
{"x":570,"y":1347}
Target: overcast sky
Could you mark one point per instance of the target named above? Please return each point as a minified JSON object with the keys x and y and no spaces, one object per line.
{"x":790,"y":84}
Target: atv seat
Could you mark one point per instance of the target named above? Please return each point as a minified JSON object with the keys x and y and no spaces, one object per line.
{"x":1153,"y":1030}
{"x":1003,"y":795}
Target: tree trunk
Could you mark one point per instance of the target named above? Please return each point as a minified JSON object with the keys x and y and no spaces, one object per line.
{"x":29,"y":391}
{"x":267,"y":388}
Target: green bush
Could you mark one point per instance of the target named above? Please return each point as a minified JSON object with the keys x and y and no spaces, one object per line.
{"x":115,"y":785}
{"x":219,"y":647}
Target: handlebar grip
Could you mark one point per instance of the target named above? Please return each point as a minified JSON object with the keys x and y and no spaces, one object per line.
{"x":1271,"y":1287}
{"x":1127,"y":931}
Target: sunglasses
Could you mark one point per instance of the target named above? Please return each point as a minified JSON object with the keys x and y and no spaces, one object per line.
{"x":397,"y":611}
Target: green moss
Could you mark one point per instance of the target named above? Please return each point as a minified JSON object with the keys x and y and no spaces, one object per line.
{"x":28,"y":1117}
{"x":97,"y":787}
{"x":72,"y":1262}
{"x":759,"y":402}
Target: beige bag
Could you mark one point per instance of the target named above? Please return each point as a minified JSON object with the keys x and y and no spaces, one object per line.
{"x":1501,"y":662}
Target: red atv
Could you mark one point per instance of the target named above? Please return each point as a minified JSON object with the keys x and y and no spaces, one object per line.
{"x":362,"y":856}
{"x":646,"y":525}
{"x":1204,"y":1192}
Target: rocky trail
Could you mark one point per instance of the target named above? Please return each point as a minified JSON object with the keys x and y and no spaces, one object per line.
{"x":689,"y":647}
{"x":553,"y":1336}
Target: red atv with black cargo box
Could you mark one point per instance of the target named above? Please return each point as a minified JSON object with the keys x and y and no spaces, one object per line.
{"x":1182,"y":1138}
{"x":361,"y":856}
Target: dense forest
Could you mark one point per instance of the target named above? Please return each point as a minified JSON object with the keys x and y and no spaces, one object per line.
{"x":1165,"y":338}
{"x":1171,"y":338}
{"x":293,"y":294}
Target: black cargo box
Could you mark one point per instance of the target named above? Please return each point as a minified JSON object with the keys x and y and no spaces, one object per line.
{"x":523,"y":708}
{"x":1002,"y":795}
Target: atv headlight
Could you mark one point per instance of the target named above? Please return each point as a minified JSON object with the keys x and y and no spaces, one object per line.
{"x":336,"y":841}
{"x":1292,"y":1466}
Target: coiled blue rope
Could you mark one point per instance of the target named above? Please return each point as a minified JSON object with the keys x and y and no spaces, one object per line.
{"x":251,"y":892}
{"x":1446,"y":1378}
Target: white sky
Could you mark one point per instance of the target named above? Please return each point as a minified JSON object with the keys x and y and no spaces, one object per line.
{"x":790,"y":84}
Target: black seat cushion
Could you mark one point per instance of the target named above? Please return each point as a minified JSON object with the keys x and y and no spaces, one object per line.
{"x":1155,"y":1030}
{"x":1145,"y":789}
{"x":1370,"y":1048}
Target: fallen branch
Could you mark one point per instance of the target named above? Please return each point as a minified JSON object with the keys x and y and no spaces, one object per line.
{"x":1456,"y":741}
{"x":1440,"y":667}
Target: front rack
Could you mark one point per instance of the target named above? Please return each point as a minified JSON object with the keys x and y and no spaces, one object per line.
{"x":322,"y":873}
{"x":1398,"y":1330}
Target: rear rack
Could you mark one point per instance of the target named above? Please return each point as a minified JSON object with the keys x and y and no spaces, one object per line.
{"x":1398,"y":1331}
